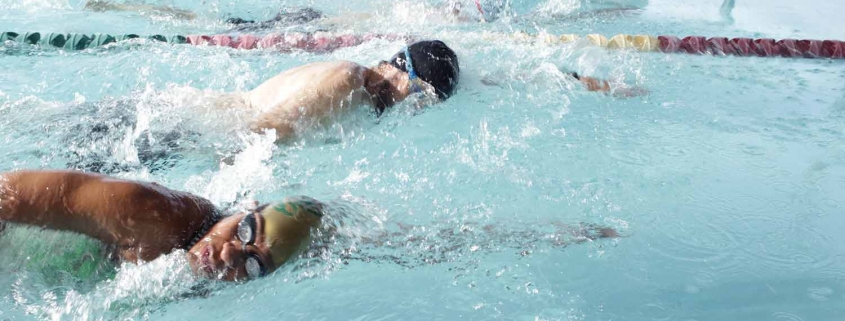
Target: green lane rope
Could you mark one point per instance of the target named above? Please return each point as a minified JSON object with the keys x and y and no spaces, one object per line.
{"x":78,"y":41}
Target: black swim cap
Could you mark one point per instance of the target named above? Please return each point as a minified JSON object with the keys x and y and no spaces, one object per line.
{"x":434,"y":63}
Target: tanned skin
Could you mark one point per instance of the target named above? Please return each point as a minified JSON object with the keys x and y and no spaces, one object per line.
{"x":320,"y":92}
{"x":143,"y":220}
{"x":147,"y":220}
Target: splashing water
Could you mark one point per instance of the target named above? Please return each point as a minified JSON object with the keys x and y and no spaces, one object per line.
{"x":724,"y":182}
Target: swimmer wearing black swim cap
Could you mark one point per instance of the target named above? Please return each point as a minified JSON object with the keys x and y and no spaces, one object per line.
{"x":321,"y":92}
{"x":143,"y":221}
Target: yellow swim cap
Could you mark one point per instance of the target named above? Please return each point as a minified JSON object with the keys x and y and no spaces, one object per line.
{"x":287,"y":226}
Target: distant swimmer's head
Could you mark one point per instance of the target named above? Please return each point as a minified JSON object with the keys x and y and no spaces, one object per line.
{"x":478,"y":10}
{"x":251,"y":245}
{"x":433,"y":62}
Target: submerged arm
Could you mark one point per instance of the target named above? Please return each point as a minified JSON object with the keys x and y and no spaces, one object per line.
{"x":412,"y":246}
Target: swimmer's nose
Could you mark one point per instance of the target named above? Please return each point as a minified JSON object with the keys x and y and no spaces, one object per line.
{"x":232,"y":255}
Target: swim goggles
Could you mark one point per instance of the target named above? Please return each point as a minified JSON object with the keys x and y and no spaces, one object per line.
{"x":416,"y":82}
{"x":255,"y":268}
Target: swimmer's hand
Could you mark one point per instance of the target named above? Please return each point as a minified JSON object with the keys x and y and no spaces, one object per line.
{"x":490,"y":81}
{"x":629,"y":92}
{"x":623,"y":91}
{"x":99,"y":6}
{"x":594,"y":84}
{"x":587,"y":231}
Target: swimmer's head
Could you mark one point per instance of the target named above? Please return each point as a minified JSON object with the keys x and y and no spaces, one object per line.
{"x":478,"y":10}
{"x":434,"y":62}
{"x":251,"y":245}
{"x":287,"y":226}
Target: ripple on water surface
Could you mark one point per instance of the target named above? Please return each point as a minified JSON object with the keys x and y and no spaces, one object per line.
{"x":726,"y":180}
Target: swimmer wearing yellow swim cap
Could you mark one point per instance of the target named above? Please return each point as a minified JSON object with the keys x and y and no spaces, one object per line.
{"x":251,"y":245}
{"x":143,"y":221}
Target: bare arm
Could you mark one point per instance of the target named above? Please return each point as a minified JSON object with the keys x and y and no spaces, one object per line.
{"x":143,"y":217}
{"x":591,"y":84}
{"x":595,"y":84}
{"x":100,"y":5}
{"x":599,"y":85}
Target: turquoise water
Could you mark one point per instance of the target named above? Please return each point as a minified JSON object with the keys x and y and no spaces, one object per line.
{"x":726,"y":180}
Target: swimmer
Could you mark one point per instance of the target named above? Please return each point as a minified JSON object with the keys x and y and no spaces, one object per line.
{"x":323,"y":91}
{"x":142,"y":221}
{"x":146,"y":220}
{"x":319,"y":92}
{"x":292,"y":104}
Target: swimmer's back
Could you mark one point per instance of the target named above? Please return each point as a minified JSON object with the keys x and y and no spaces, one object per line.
{"x":308,"y":93}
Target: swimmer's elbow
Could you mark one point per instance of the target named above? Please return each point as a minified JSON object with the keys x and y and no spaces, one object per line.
{"x":6,"y":204}
{"x":284,"y":132}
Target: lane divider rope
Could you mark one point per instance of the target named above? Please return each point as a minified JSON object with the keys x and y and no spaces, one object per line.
{"x":697,"y":45}
{"x":325,"y":41}
{"x":290,"y":41}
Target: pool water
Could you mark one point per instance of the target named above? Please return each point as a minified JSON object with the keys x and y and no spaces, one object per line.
{"x":727,"y":180}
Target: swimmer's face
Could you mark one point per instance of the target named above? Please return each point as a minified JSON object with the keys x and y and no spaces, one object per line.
{"x":222,"y":255}
{"x":390,"y":87}
{"x":393,"y":86}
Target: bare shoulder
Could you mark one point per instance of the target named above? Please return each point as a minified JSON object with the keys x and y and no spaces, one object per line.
{"x":327,"y":73}
{"x":351,"y":72}
{"x":339,"y":71}
{"x":350,"y":66}
{"x":343,"y":66}
{"x":56,"y":179}
{"x":338,"y":64}
{"x":140,"y":190}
